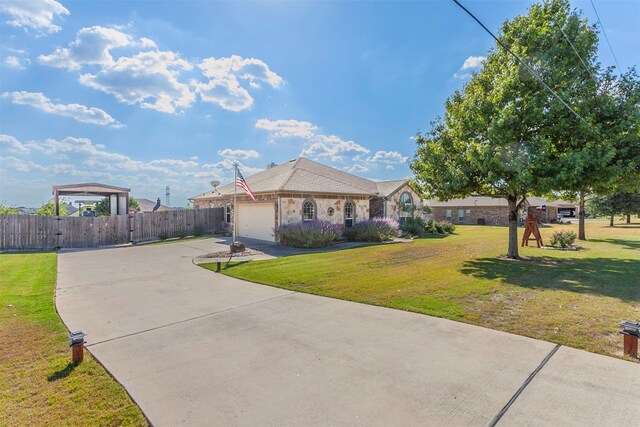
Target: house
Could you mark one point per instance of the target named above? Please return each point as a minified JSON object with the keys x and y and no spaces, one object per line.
{"x":147,"y":205}
{"x":304,"y":190}
{"x":495,"y":211}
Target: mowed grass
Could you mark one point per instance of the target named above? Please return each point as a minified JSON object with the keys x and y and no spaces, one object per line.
{"x":38,"y":384}
{"x":570,"y":298}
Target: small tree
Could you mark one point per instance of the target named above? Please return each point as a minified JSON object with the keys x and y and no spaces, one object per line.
{"x":102,"y":207}
{"x":49,"y":208}
{"x":6,"y":210}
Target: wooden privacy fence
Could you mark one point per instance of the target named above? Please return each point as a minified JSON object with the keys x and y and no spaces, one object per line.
{"x":50,"y":232}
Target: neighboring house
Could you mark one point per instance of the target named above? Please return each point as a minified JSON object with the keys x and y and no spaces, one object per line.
{"x":147,"y":205}
{"x":495,"y":211}
{"x":304,"y":190}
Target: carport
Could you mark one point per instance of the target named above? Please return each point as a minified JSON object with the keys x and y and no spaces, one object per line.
{"x":118,"y":197}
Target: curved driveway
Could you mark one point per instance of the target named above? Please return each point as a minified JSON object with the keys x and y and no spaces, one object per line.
{"x":197,"y":348}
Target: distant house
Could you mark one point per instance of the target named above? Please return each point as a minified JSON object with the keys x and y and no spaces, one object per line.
{"x":495,"y":211}
{"x":147,"y":205}
{"x":304,"y":190}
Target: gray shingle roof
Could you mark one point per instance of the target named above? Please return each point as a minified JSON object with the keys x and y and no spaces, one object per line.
{"x":306,"y":176}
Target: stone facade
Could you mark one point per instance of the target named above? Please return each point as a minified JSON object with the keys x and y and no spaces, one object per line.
{"x":329,"y":207}
{"x":393,"y":208}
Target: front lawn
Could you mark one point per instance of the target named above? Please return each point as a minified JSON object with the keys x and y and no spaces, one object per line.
{"x":38,"y":384}
{"x":569,"y":298}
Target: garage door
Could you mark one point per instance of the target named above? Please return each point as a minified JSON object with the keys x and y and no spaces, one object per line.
{"x":256,"y":221}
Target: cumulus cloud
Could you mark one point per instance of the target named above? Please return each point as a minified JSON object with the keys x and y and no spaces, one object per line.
{"x":13,"y":163}
{"x":229,"y":153}
{"x":147,"y":78}
{"x":387,"y":157}
{"x":358,"y":168}
{"x":225,"y":168}
{"x":92,"y":46}
{"x":33,"y":14}
{"x":473,"y":62}
{"x":16,"y":62}
{"x":10,"y":144}
{"x":469,"y":65}
{"x":78,"y":112}
{"x":225,"y":76}
{"x":317,"y":145}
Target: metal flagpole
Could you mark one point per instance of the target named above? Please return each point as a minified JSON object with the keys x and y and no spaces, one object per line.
{"x":235,"y":189}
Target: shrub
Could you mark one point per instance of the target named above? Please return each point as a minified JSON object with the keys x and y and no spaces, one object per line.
{"x":308,"y":234}
{"x":163,"y":235}
{"x":414,"y":226}
{"x":198,"y":231}
{"x":373,"y":230}
{"x":564,"y":239}
{"x":447,"y":227}
{"x":181,"y":234}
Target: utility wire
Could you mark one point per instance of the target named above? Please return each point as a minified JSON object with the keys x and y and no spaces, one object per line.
{"x":605,"y":35}
{"x":578,"y":55}
{"x":533,"y":73}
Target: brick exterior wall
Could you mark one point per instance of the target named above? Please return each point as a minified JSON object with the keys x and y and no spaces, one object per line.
{"x":492,"y":215}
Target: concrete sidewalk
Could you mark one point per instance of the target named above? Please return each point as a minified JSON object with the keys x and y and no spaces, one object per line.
{"x":198,"y":348}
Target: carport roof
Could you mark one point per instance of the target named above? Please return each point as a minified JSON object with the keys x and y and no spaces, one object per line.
{"x":86,"y":189}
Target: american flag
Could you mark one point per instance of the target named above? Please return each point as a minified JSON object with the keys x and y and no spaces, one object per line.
{"x":240,"y":182}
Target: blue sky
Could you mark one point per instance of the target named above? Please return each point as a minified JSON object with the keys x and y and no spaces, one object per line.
{"x":145,"y":94}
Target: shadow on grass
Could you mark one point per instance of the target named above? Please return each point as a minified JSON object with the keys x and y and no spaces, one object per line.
{"x":62,"y":373}
{"x":611,"y":277}
{"x":628,"y":244}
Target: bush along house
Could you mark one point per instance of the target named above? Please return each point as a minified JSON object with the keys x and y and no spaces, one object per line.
{"x":304,"y":190}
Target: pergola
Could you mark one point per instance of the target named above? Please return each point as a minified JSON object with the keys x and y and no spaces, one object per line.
{"x":118,"y":197}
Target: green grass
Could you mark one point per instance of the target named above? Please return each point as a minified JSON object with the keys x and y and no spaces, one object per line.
{"x":569,"y":298}
{"x":38,"y":384}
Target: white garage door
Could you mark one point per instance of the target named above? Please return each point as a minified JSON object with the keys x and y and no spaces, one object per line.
{"x":256,"y":221}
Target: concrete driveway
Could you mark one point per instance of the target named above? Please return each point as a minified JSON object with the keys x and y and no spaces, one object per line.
{"x":197,"y":348}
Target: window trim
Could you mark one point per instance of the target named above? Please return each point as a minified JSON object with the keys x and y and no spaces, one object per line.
{"x":314,"y":206}
{"x":353,"y":213}
{"x":228,"y":212}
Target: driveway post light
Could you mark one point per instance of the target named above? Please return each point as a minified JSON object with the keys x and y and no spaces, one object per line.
{"x":631,"y":332}
{"x":76,"y":342}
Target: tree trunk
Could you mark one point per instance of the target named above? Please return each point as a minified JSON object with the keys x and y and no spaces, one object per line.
{"x":512,"y":252}
{"x":611,"y":221}
{"x":581,"y":233}
{"x":628,"y":218}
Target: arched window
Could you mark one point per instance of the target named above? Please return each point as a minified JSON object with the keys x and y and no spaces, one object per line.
{"x":348,"y":214}
{"x":308,"y":211}
{"x":406,"y":207}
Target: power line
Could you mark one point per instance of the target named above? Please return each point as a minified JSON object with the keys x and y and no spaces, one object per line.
{"x":605,"y":35}
{"x":533,"y":73}
{"x":578,"y":55}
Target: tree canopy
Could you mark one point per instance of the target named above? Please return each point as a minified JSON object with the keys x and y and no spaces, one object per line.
{"x":505,"y":135}
{"x":48,"y":208}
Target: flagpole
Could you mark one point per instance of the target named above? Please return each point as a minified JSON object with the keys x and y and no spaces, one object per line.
{"x":235,"y":190}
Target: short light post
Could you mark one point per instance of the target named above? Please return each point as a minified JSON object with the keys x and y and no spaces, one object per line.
{"x":76,"y":342}
{"x":631,"y":332}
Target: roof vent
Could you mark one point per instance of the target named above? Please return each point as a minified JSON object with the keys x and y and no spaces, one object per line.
{"x":271,"y":165}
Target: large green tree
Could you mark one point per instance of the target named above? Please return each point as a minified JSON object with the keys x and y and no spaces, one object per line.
{"x":48,"y":208}
{"x":102,"y":207}
{"x":504,"y":134}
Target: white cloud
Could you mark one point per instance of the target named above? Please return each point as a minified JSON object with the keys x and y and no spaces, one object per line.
{"x":16,"y":62}
{"x":287,"y":128}
{"x":92,"y":46}
{"x":176,"y":163}
{"x":387,"y":157}
{"x":78,"y":112}
{"x":473,"y":62}
{"x":225,"y":75}
{"x":13,"y":163}
{"x":33,"y":14}
{"x":225,"y":168}
{"x":229,"y":153}
{"x":147,"y":78}
{"x":11,"y":145}
{"x":357,"y":168}
{"x":317,"y":145}
{"x":389,"y":168}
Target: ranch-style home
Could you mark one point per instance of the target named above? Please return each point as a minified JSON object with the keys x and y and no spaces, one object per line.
{"x":304,"y":190}
{"x":495,"y":211}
